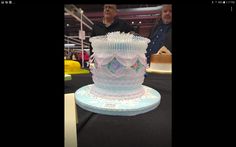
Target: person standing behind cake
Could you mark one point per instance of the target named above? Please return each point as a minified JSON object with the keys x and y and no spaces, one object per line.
{"x":110,"y":23}
{"x":161,"y":34}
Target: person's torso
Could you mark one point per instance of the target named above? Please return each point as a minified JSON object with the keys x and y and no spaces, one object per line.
{"x":160,"y":37}
{"x":117,"y":25}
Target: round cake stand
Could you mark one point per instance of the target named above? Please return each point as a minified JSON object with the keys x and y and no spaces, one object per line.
{"x":126,"y":107}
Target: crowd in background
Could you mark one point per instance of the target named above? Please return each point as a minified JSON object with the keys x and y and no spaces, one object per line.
{"x":160,"y":35}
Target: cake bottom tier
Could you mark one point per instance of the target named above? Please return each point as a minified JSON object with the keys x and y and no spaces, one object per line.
{"x":117,"y":93}
{"x":161,"y":66}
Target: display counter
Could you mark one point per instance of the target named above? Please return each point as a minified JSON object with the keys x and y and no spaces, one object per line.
{"x":151,"y":129}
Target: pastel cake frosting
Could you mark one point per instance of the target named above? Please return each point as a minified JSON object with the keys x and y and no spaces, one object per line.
{"x":119,"y":65}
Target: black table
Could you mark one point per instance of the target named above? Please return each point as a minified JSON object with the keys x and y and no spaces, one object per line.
{"x":151,"y":129}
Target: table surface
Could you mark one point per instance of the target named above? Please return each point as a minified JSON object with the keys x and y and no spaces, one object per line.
{"x":151,"y":129}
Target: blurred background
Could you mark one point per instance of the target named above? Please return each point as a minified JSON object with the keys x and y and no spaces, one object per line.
{"x":142,"y":17}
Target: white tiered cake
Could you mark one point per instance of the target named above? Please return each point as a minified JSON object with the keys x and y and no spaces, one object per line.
{"x":118,"y":73}
{"x":120,"y":65}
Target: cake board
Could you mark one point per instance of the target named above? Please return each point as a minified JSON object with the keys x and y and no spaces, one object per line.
{"x":149,"y":70}
{"x":122,"y":107}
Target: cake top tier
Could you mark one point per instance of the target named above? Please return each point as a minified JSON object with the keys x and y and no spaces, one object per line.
{"x":119,"y":42}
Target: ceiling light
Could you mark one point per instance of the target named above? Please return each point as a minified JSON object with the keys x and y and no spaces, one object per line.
{"x":81,"y":11}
